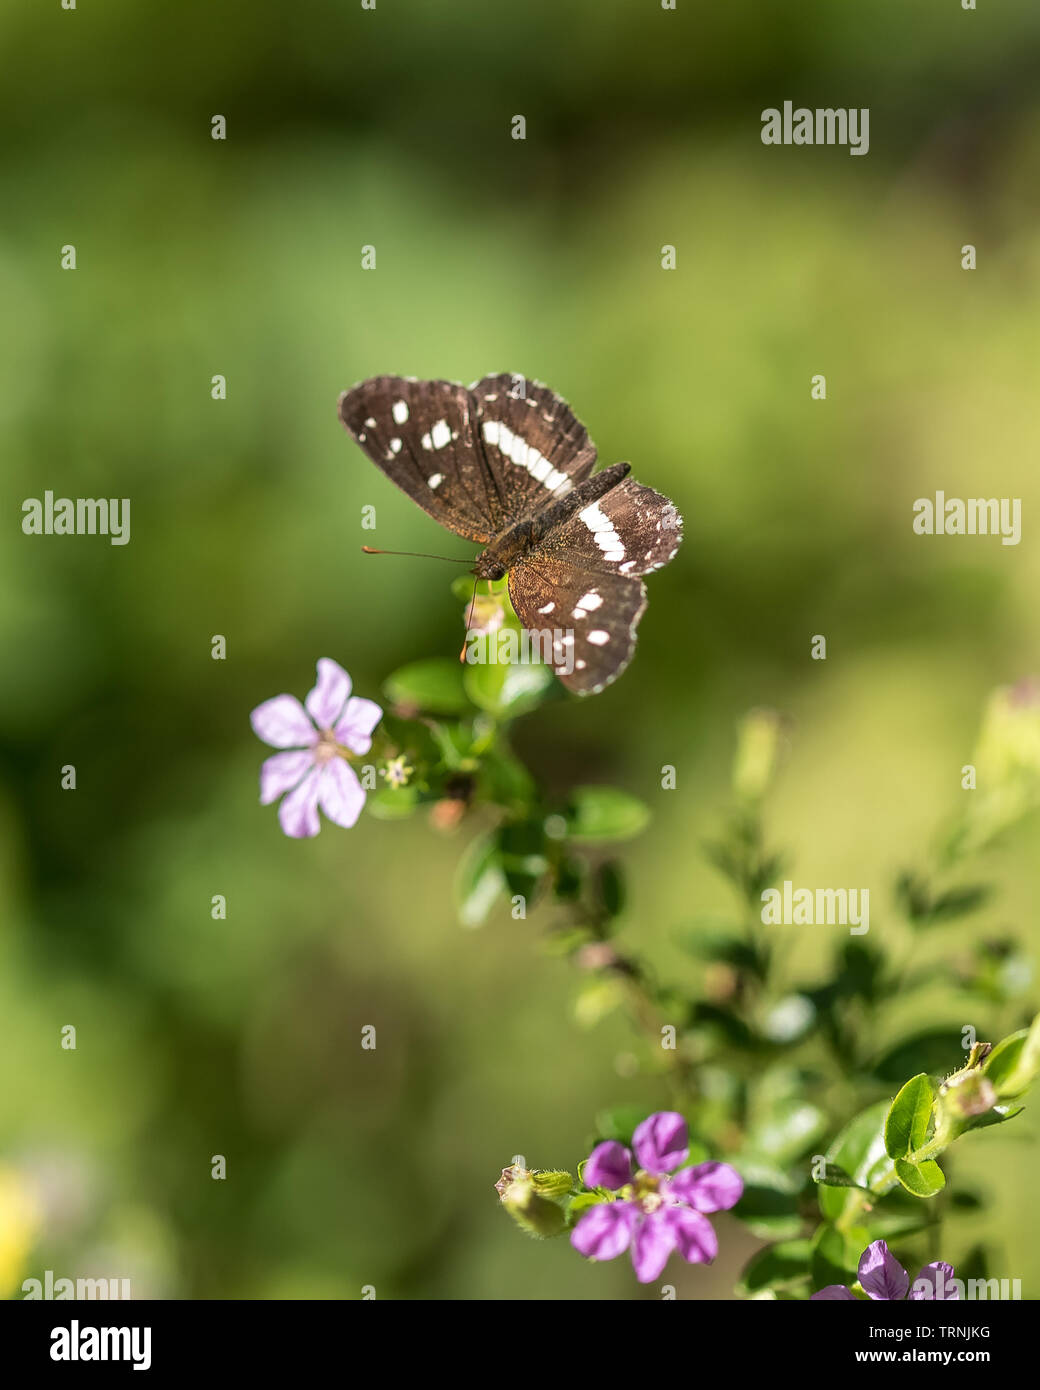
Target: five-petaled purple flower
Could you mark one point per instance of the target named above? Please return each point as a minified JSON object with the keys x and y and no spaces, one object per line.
{"x":883,"y":1278}
{"x":322,"y":736}
{"x":655,"y":1214}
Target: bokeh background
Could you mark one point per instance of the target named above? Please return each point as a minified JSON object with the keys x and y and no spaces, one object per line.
{"x":345,"y":127}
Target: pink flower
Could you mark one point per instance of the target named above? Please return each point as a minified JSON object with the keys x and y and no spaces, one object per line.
{"x":315,"y":773}
{"x":884,"y":1279}
{"x":655,"y":1214}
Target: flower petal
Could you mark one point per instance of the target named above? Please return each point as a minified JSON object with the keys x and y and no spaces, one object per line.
{"x":282,"y":723}
{"x":609,"y":1165}
{"x":834,"y":1293}
{"x":355,"y":727}
{"x":935,"y":1283}
{"x":325,"y":702}
{"x":707,"y":1186}
{"x":604,"y":1231}
{"x":661,"y":1142}
{"x":881,"y":1274}
{"x":654,"y":1241}
{"x":298,"y":813}
{"x":340,"y":794}
{"x":694,"y":1235}
{"x":282,"y":772}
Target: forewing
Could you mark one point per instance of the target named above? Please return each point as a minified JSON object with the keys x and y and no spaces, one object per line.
{"x":592,"y":613}
{"x":424,"y":437}
{"x":535,"y":446}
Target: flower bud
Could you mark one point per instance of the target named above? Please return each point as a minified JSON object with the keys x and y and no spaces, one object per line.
{"x":521,"y":1193}
{"x":969,"y":1094}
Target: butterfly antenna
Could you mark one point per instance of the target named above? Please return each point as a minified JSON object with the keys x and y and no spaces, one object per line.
{"x":469,"y":618}
{"x":416,"y":554}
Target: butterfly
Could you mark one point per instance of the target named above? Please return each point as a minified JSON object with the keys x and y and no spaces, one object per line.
{"x":505,"y":463}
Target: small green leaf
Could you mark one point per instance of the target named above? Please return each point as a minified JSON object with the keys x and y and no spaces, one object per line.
{"x":479,"y":881}
{"x":860,"y":1151}
{"x":769,"y":1203}
{"x":605,"y":813}
{"x":1014,"y":1063}
{"x":922,"y":1179}
{"x":578,"y":1206}
{"x":611,"y":885}
{"x":835,"y":1176}
{"x":435,"y":685}
{"x":906,"y":1125}
{"x":934,"y":1050}
{"x":507,"y":690}
{"x":834,"y":1256}
{"x":782,"y":1263}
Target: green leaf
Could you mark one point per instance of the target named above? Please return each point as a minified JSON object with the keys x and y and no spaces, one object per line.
{"x":578,"y":1206}
{"x":997,"y":1116}
{"x":479,"y":880}
{"x":782,"y":1263}
{"x":906,"y":1125}
{"x":521,"y":856}
{"x":769,"y":1203}
{"x":859,"y":1150}
{"x":435,"y":685}
{"x":787,"y":1132}
{"x":934,"y":1050}
{"x":922,"y":1179}
{"x":836,"y":1176}
{"x":605,"y":813}
{"x":505,"y":781}
{"x":507,"y":690}
{"x":711,"y":939}
{"x":611,"y":885}
{"x":1014,"y":1063}
{"x":834,"y":1255}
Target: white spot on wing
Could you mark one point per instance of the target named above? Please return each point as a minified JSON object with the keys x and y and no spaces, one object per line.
{"x":399,"y":411}
{"x":435,"y":479}
{"x":519,"y":452}
{"x":603,"y":531}
{"x":395,"y":446}
{"x":588,"y":603}
{"x":598,"y":637}
{"x":548,"y":608}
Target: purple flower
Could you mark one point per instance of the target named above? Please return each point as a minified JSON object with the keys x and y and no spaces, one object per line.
{"x":655,"y":1214}
{"x":884,"y":1279}
{"x":315,"y":773}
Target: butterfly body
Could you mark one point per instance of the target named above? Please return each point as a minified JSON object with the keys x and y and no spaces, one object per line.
{"x":506,"y":464}
{"x":526,"y":537}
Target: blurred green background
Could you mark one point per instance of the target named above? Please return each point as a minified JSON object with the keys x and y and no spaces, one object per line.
{"x":195,"y":257}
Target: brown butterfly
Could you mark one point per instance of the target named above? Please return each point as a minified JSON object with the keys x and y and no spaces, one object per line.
{"x":505,"y":463}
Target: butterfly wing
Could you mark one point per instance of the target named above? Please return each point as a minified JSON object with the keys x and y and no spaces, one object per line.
{"x":533,"y":442}
{"x":583,"y":582}
{"x":424,"y":436}
{"x":630,"y":531}
{"x":476,"y":459}
{"x":592,"y":613}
